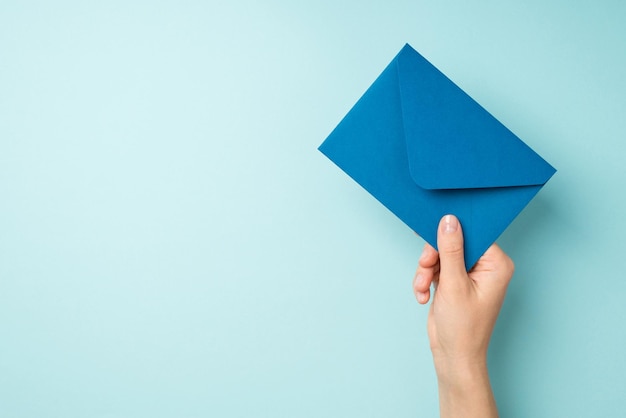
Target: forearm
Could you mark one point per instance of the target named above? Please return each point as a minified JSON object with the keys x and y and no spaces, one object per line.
{"x":465,"y":390}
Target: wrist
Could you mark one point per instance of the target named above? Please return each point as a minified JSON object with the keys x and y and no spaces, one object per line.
{"x":461,"y":371}
{"x":464,"y":388}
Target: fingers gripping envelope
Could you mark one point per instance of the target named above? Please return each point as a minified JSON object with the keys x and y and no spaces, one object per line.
{"x":424,"y":148}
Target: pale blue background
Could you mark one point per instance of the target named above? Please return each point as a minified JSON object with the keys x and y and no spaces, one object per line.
{"x":173,"y":245}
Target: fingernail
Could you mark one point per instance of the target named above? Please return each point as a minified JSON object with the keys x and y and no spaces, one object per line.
{"x":450,"y":224}
{"x":421,"y":297}
{"x":419,"y":280}
{"x":423,"y":256}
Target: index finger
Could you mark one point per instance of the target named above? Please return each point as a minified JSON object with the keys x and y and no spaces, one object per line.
{"x":429,"y":256}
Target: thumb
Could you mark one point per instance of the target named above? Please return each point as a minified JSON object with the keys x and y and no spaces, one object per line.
{"x":450,"y":246}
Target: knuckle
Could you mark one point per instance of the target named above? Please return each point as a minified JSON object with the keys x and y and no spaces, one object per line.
{"x":452,"y":248}
{"x":509,"y":266}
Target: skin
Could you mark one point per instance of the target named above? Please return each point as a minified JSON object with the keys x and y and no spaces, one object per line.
{"x":461,"y":319}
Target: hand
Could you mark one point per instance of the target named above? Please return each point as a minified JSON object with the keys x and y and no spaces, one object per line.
{"x":462,"y":316}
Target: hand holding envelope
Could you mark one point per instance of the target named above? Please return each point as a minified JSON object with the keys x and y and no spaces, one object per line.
{"x":461,"y":318}
{"x":424,"y":149}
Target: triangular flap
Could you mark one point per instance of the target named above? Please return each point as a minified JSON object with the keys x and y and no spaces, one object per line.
{"x":452,"y":142}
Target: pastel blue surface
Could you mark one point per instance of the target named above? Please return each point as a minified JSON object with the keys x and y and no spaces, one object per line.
{"x":172,"y":244}
{"x":424,"y":148}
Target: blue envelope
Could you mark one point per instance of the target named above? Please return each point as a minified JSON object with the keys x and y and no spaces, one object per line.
{"x":424,"y":148}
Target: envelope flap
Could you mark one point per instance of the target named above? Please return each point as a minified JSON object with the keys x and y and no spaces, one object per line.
{"x":452,"y":142}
